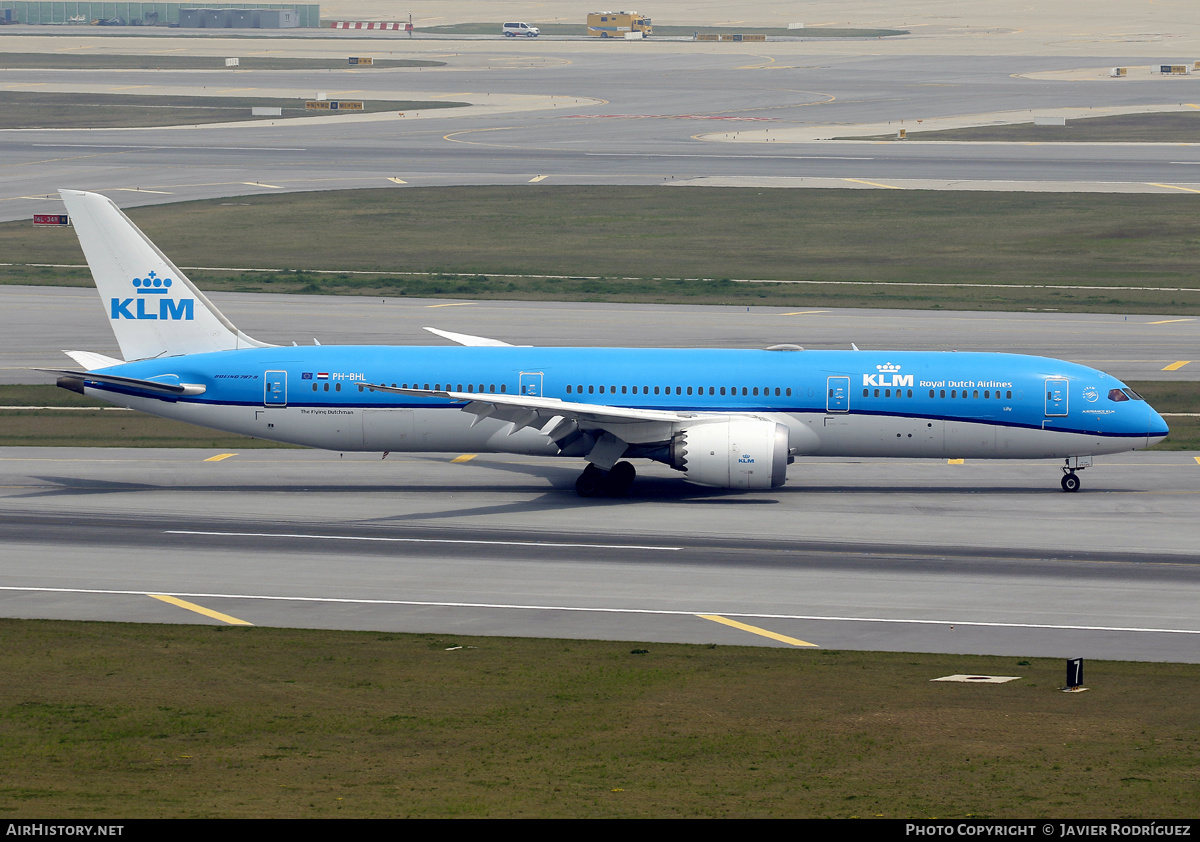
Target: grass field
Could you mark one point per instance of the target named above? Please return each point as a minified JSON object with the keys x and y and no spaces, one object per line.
{"x":835,"y":248}
{"x":34,"y":110}
{"x":1153,"y":127}
{"x":105,"y":428}
{"x":105,"y":719}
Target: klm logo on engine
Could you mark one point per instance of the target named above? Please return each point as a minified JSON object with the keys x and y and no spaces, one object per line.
{"x":746,"y":459}
{"x":889,"y":375}
{"x":168,"y":309}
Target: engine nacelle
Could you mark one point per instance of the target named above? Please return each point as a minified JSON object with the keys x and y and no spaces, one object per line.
{"x":741,"y":453}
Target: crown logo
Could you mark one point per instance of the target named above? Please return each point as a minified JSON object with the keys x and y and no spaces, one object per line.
{"x":887,"y":368}
{"x":152,"y":285}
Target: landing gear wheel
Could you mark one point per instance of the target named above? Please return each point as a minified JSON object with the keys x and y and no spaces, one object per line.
{"x":1070,"y":482}
{"x":620,"y":478}
{"x":591,"y":482}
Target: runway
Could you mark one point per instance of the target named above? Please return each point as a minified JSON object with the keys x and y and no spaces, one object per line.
{"x":982,"y":557}
{"x":905,"y":556}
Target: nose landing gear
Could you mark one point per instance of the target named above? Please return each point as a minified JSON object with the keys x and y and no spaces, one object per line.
{"x":1070,"y":481}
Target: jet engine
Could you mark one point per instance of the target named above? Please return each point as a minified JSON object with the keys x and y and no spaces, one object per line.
{"x":745,"y":453}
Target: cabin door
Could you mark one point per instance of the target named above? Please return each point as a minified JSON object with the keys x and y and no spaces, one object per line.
{"x":838,"y":397}
{"x":275,"y":388}
{"x":531,"y":384}
{"x":1056,"y":397}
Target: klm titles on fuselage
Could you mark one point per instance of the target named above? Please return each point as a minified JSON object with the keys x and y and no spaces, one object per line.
{"x":889,"y":375}
{"x":168,"y":309}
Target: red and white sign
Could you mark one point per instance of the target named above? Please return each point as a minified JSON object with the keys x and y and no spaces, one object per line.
{"x":362,"y":24}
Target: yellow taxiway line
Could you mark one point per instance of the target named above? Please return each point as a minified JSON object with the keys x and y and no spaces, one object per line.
{"x":716,"y":618}
{"x":200,"y":609}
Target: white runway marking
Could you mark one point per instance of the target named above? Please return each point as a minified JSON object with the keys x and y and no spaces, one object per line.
{"x":166,"y":147}
{"x":426,"y":540}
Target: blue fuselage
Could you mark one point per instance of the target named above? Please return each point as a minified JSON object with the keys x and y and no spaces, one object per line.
{"x":1024,"y":406}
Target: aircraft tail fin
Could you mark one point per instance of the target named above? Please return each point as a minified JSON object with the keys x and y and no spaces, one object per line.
{"x":154,"y":310}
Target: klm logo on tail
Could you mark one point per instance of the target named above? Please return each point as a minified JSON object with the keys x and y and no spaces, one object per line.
{"x":168,"y":308}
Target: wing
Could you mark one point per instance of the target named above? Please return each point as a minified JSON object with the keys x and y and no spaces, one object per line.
{"x":594,"y":430}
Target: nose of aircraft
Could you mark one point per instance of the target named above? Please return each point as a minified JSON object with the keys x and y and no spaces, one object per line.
{"x":1156,"y":429}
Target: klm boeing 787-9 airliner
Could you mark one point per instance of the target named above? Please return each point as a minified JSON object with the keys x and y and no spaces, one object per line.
{"x":724,"y":418}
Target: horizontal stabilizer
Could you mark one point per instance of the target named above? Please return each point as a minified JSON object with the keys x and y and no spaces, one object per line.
{"x":76,"y":380}
{"x":92,"y":361}
{"x":472,"y":341}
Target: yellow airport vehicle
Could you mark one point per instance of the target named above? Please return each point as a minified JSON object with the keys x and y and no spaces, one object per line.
{"x":616,"y":24}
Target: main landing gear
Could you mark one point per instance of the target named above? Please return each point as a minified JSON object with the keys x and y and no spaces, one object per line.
{"x":596,"y":482}
{"x":1070,"y":480}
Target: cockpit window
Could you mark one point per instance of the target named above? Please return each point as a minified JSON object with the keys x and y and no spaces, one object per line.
{"x":1117,"y":395}
{"x":1132,"y":394}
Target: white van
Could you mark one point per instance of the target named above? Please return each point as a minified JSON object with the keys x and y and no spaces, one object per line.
{"x":512,"y":30}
